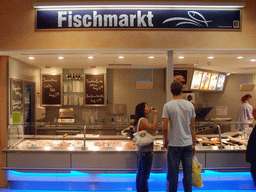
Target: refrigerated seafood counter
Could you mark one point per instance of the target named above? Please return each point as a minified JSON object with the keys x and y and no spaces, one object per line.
{"x":114,"y":153}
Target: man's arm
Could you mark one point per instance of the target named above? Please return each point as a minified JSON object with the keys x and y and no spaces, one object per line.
{"x":193,"y":133}
{"x":165,"y":128}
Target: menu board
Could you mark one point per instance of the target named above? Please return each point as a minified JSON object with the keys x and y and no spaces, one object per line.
{"x":196,"y":81}
{"x":95,"y":89}
{"x":221,"y":81}
{"x":213,"y":81}
{"x":16,"y":95}
{"x":51,"y":90}
{"x":205,"y":81}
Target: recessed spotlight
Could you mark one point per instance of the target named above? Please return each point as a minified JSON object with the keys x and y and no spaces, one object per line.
{"x":240,"y":57}
{"x":151,"y":57}
{"x":120,"y":57}
{"x":90,"y":57}
{"x":211,"y":57}
{"x":253,"y":60}
{"x":181,"y":57}
{"x":60,"y":57}
{"x":31,"y":58}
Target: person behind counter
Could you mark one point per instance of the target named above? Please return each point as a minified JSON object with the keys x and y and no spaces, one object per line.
{"x":179,"y":115}
{"x":251,"y":150}
{"x":145,"y":153}
{"x":245,"y":112}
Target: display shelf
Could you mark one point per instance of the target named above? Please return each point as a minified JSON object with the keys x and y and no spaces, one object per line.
{"x":73,"y":87}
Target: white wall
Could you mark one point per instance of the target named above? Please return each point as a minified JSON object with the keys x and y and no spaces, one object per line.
{"x":122,"y":85}
{"x":22,"y":71}
{"x":230,"y":97}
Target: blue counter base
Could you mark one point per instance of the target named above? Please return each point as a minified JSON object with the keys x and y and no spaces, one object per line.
{"x":76,"y":181}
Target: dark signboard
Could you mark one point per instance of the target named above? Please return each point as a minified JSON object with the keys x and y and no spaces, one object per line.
{"x":139,"y":19}
{"x":51,"y":90}
{"x":181,"y":75}
{"x":95,"y":86}
{"x":16,"y":95}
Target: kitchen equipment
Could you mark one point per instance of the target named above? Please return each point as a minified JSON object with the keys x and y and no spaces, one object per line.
{"x":66,"y":115}
{"x":128,"y":132}
{"x":201,"y":113}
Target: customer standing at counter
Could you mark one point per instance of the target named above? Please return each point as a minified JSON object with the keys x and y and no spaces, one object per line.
{"x":179,"y":125}
{"x":245,"y":112}
{"x":251,"y":150}
{"x":145,"y":153}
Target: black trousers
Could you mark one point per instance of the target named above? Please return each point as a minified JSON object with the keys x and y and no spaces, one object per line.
{"x":253,"y":172}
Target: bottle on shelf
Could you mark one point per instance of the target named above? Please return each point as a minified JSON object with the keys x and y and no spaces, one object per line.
{"x":79,"y":76}
{"x":69,"y":76}
{"x":73,"y":76}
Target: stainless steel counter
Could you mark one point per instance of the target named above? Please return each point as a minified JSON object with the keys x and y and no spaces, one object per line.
{"x":108,"y":153}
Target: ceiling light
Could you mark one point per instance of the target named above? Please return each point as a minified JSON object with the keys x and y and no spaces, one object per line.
{"x":228,"y":74}
{"x":90,"y":57}
{"x":253,"y":60}
{"x":31,"y":58}
{"x":120,"y":57}
{"x":151,"y":57}
{"x":181,"y":57}
{"x":240,"y":57}
{"x":60,"y":57}
{"x":65,"y":5}
{"x":211,"y":57}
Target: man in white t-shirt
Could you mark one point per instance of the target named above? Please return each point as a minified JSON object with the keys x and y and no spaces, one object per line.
{"x":179,"y":137}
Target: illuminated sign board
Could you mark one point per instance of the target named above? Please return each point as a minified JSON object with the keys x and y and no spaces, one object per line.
{"x":138,"y":19}
{"x":207,"y":81}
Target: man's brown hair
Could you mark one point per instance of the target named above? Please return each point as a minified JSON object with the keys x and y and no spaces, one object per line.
{"x":176,"y":88}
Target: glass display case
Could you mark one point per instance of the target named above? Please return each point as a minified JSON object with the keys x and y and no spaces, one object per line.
{"x":81,"y":151}
{"x":72,"y":137}
{"x":94,"y":152}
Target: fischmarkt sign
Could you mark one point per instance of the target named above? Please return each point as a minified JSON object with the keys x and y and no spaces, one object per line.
{"x":138,"y":19}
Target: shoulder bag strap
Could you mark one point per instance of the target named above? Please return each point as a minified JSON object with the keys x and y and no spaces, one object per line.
{"x":138,"y":124}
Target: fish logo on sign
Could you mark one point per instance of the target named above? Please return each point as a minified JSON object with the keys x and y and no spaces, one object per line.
{"x":196,"y":19}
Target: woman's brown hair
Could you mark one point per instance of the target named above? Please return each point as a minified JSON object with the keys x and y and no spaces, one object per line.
{"x":245,"y":97}
{"x":139,"y":112}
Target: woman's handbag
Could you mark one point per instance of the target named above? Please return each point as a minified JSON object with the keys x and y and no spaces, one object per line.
{"x":142,"y":138}
{"x":196,"y":173}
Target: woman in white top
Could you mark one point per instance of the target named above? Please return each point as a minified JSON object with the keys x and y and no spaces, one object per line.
{"x":245,"y":112}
